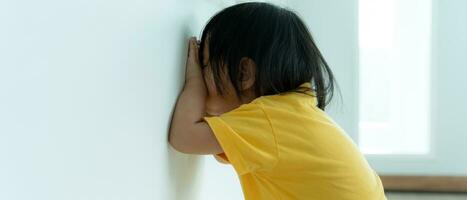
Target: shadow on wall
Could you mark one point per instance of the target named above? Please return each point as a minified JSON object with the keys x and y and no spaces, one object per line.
{"x":183,"y":169}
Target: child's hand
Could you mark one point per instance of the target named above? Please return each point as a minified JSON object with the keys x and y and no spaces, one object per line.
{"x":194,"y":80}
{"x":193,"y":66}
{"x":188,"y":132}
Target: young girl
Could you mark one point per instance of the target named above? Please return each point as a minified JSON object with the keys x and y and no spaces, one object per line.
{"x":256,"y":100}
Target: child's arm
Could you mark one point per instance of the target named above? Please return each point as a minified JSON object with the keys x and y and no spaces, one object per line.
{"x":188,"y":132}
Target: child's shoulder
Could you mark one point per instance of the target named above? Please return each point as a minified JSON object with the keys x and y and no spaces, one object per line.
{"x":289,"y":102}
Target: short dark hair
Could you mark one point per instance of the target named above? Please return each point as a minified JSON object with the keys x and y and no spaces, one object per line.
{"x":279,"y":43}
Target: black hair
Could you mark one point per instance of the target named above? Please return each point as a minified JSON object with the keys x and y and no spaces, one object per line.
{"x":279,"y":43}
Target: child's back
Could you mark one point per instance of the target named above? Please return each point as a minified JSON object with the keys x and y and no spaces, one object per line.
{"x":284,"y":147}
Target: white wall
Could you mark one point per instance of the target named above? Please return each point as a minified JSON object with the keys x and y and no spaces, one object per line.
{"x":450,"y":98}
{"x":86,"y":93}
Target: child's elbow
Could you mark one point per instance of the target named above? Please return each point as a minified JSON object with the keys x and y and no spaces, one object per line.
{"x":179,"y":144}
{"x":197,"y":139}
{"x":180,"y":148}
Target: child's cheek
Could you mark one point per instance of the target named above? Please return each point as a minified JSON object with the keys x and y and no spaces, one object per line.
{"x":214,"y":105}
{"x":212,"y":100}
{"x":209,"y":81}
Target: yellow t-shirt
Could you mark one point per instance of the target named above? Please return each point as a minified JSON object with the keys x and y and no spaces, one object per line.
{"x":285,"y":147}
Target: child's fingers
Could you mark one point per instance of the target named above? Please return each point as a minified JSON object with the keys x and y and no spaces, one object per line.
{"x":193,"y":50}
{"x":196,"y":51}
{"x":193,"y":68}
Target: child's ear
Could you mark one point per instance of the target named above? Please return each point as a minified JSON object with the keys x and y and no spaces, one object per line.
{"x":248,"y":70}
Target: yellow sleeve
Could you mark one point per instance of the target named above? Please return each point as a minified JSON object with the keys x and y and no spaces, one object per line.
{"x":247,"y":138}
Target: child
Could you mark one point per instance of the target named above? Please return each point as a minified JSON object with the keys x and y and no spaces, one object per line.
{"x":257,"y":99}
